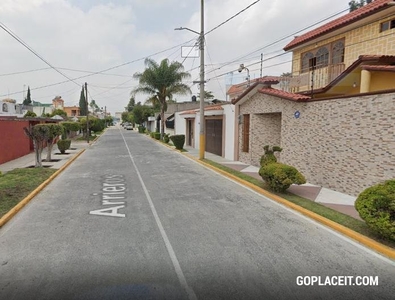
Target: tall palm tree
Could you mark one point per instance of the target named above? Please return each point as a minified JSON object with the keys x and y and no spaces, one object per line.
{"x":161,"y":82}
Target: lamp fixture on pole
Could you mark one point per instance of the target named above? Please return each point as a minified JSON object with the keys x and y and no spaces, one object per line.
{"x":202,"y":138}
{"x":241,"y":68}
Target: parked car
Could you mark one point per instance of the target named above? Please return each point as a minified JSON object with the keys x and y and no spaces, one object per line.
{"x":129,"y":127}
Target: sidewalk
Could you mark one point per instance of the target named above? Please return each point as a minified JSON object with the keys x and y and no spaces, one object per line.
{"x":57,"y":159}
{"x":332,"y":199}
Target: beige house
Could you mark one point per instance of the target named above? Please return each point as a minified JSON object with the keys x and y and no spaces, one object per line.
{"x":346,"y":46}
{"x":339,"y":131}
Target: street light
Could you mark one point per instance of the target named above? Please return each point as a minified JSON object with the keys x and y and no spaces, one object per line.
{"x":202,"y":140}
{"x":241,"y":68}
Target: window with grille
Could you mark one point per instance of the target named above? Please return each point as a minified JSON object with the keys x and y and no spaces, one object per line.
{"x":246,"y":133}
{"x":338,"y":52}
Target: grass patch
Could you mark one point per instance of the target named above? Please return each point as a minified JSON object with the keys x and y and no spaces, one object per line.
{"x":329,"y":213}
{"x":17,"y":184}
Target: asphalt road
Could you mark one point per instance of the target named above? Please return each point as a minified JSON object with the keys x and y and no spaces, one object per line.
{"x":132,"y":219}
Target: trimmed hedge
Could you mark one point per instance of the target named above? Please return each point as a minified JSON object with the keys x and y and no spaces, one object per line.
{"x":157,"y":135}
{"x":64,"y":145}
{"x":141,"y":129}
{"x":376,"y":206}
{"x":166,"y":138}
{"x":178,"y":141}
{"x":280,"y":176}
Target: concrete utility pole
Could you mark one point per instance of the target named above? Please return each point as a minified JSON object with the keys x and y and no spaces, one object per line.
{"x":202,"y":137}
{"x":202,"y":141}
{"x":87,"y":112}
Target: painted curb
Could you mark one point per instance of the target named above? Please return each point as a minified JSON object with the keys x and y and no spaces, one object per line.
{"x":10,"y":214}
{"x":368,"y":242}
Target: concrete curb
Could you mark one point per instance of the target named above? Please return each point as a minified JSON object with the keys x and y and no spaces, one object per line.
{"x":8,"y":216}
{"x":368,"y":242}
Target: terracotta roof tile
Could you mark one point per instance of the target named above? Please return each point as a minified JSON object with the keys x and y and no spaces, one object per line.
{"x":236,"y":88}
{"x":385,"y":68}
{"x":349,"y":18}
{"x":213,"y":107}
{"x":285,"y":95}
{"x":189,"y":112}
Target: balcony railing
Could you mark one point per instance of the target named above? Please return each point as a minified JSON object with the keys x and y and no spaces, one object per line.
{"x":316,"y":79}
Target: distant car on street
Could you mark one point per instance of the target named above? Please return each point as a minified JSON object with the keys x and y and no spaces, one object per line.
{"x":128,"y":127}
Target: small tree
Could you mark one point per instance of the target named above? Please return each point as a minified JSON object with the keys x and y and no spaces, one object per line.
{"x":30,"y":114}
{"x":39,"y":135}
{"x":354,"y":4}
{"x":68,"y":127}
{"x":82,"y":103}
{"x":55,"y":130}
{"x":28,"y":100}
{"x":59,"y":112}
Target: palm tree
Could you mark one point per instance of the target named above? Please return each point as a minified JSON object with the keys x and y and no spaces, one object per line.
{"x":161,"y":82}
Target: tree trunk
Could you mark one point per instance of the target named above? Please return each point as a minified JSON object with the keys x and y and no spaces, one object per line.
{"x":162,"y":121}
{"x":37,"y":151}
{"x":49,"y":150}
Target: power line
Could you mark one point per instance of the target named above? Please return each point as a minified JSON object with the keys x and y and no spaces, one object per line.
{"x":232,"y":17}
{"x":102,"y":71}
{"x":6,"y":29}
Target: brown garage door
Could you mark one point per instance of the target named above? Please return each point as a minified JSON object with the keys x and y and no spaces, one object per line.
{"x":214,"y":136}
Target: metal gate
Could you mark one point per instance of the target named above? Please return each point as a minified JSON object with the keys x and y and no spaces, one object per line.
{"x":214,"y":136}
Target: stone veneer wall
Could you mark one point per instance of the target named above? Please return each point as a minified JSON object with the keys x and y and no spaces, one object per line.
{"x":343,"y":144}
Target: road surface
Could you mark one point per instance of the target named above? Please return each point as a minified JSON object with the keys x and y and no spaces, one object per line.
{"x":132,"y":219}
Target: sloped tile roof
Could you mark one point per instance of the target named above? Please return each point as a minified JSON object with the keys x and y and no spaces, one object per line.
{"x":356,"y":15}
{"x":236,"y":88}
{"x":284,"y":95}
{"x":213,"y":107}
{"x":384,"y":68}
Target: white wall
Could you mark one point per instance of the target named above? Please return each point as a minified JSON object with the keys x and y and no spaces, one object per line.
{"x":179,"y":124}
{"x":229,"y":123}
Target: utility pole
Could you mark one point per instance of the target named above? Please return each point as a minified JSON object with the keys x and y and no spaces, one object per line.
{"x":202,"y":137}
{"x":87,"y":112}
{"x":261,"y":63}
{"x":202,"y":140}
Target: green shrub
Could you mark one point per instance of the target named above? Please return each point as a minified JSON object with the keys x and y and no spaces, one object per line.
{"x":178,"y":140}
{"x":279,"y":176}
{"x":157,"y":135}
{"x":166,"y":138}
{"x":141,"y":129}
{"x":269,"y":156}
{"x":152,"y":134}
{"x":68,"y":127}
{"x":63,"y":145}
{"x":30,"y":114}
{"x":376,"y":206}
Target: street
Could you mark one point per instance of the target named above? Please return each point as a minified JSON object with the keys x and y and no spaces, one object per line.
{"x":132,"y":219}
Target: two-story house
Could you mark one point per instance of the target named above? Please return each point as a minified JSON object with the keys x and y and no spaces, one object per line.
{"x":336,"y":123}
{"x":349,"y":55}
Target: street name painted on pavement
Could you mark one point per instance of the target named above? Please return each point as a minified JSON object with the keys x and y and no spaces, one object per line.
{"x":113,"y":191}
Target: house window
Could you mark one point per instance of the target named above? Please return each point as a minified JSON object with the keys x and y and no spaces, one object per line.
{"x":306,"y":61}
{"x":322,"y":57}
{"x":338,"y":52}
{"x":246,"y":133}
{"x":387,"y":25}
{"x":5,"y":107}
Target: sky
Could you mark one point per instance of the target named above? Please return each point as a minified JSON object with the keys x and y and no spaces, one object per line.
{"x":103,"y":43}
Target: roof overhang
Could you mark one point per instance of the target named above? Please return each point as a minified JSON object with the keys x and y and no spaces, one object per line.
{"x":369,"y":13}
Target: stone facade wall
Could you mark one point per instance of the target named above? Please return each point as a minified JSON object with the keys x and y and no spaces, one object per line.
{"x":343,"y":144}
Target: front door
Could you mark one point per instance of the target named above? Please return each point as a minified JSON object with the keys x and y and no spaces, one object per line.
{"x":214,"y":136}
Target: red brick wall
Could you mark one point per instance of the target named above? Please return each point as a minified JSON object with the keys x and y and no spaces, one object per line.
{"x":13,"y":141}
